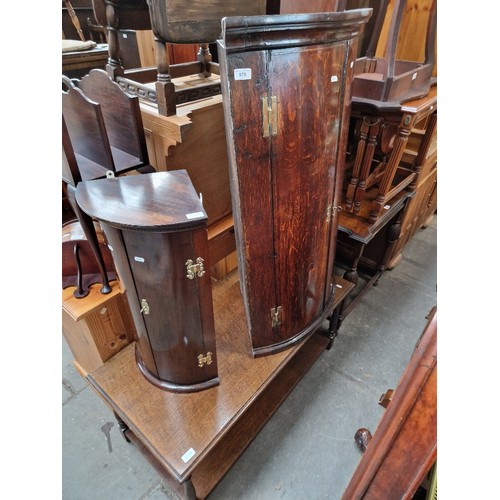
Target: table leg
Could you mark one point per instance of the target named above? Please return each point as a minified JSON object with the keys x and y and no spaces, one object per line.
{"x":122,"y":426}
{"x":189,"y":490}
{"x":352,"y":274}
{"x":393,"y":234}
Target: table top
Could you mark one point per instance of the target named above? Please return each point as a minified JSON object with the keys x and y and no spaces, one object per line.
{"x":179,"y":430}
{"x":359,"y":228}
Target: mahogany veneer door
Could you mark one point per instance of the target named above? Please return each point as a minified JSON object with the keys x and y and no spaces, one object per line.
{"x":286,"y":104}
{"x":157,"y":229}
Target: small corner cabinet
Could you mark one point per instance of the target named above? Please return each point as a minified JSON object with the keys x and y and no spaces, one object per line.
{"x":157,"y":231}
{"x":286,"y":87}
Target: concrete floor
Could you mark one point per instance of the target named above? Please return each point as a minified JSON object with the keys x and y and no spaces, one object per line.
{"x":306,"y":450}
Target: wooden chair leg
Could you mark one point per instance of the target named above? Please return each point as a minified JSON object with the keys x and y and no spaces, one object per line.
{"x":88,"y":229}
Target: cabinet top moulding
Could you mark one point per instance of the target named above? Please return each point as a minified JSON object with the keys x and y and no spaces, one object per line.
{"x":291,"y":30}
{"x":150,"y":202}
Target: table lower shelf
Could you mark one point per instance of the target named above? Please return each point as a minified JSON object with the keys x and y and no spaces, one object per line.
{"x":193,"y":439}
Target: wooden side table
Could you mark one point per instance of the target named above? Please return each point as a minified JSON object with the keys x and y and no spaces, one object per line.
{"x":356,"y":232}
{"x":97,"y":326}
{"x":193,"y":439}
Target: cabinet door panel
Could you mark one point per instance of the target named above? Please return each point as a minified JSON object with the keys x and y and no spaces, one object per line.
{"x":286,"y":119}
{"x":252,"y":192}
{"x":306,"y":82}
{"x":175,"y":333}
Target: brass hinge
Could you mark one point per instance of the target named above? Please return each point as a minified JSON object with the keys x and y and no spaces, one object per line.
{"x":195,"y":269}
{"x":205,"y":360}
{"x":330,"y":211}
{"x":275,"y":317}
{"x":269,"y":116}
{"x":144,"y":307}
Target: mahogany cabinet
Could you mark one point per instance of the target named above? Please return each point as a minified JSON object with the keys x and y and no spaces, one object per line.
{"x":156,"y":227}
{"x":286,"y":84}
{"x":96,"y":327}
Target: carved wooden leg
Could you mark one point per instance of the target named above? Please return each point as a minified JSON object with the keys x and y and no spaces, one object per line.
{"x":114,"y":66}
{"x":80,"y":292}
{"x":393,"y":234}
{"x":333,"y":329}
{"x":165,"y":89}
{"x":336,"y":322}
{"x":205,"y":58}
{"x":367,"y":163}
{"x":356,"y":169}
{"x":397,"y":152}
{"x":89,"y":230}
{"x":122,"y":426}
{"x":352,"y":274}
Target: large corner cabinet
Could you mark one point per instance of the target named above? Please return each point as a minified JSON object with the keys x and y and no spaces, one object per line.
{"x":156,"y":228}
{"x":286,"y":86}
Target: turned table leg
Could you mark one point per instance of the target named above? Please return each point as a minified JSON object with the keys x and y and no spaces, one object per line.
{"x":122,"y":426}
{"x":393,"y":234}
{"x":189,"y":490}
{"x":352,"y":274}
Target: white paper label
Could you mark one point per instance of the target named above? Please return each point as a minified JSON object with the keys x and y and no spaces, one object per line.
{"x":387,"y":207}
{"x":188,"y":455}
{"x":243,"y":74}
{"x":139,"y":259}
{"x":334,"y":79}
{"x":338,"y":286}
{"x":195,"y":215}
{"x":413,"y":76}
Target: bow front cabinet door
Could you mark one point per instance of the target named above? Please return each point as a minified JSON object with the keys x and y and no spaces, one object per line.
{"x":156,"y":228}
{"x":286,"y":86}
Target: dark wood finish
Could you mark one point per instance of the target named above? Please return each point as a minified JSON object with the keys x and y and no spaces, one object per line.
{"x":171,"y":22}
{"x":421,"y":156}
{"x":99,"y":136}
{"x":356,"y":232}
{"x":78,"y":63}
{"x":378,"y":140}
{"x":176,"y":21}
{"x":217,"y":424}
{"x":388,"y":79}
{"x":123,"y":121}
{"x":404,"y":445}
{"x":79,"y":267}
{"x":154,"y":224}
{"x":84,"y":136}
{"x":286,"y":178}
{"x":362,"y":437}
